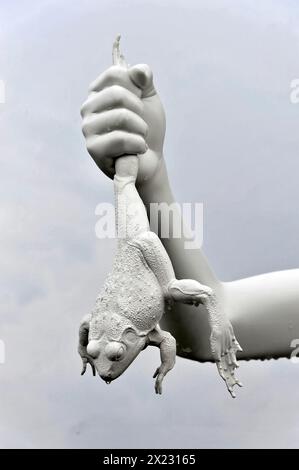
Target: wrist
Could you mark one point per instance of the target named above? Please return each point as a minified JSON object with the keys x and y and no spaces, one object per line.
{"x":157,"y":188}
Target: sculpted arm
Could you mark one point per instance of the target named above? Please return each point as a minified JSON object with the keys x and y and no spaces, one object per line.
{"x":124,"y":116}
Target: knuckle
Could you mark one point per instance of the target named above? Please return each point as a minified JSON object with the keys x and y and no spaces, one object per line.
{"x":117,"y":94}
{"x":92,"y":86}
{"x":122,"y":118}
{"x":90,"y":145}
{"x":94,"y":147}
{"x":83,"y":109}
{"x":120,"y":140}
{"x":139,"y":144}
{"x":115,"y":72}
{"x":85,"y":128}
{"x":88,"y":104}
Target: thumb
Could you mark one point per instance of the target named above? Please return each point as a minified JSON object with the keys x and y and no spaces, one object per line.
{"x":142,"y":76}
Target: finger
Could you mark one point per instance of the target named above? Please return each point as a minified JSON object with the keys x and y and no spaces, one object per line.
{"x":228,"y":358}
{"x":110,"y":98}
{"x":226,"y":372}
{"x":115,"y":75}
{"x":158,"y":385}
{"x":230,"y":382}
{"x":220,"y":370}
{"x":224,"y":363}
{"x":234,"y":359}
{"x":227,"y":343}
{"x":84,"y":363}
{"x":142,"y":76}
{"x":238,"y":347}
{"x":115,"y":119}
{"x":114,"y":144}
{"x":156,"y":373}
{"x":216,"y":350}
{"x":93,"y":369}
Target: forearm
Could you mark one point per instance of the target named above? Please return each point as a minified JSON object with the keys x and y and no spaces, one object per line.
{"x":264,"y":311}
{"x":187,"y":263}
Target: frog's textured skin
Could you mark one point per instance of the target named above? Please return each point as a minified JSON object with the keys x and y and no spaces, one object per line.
{"x":141,"y":286}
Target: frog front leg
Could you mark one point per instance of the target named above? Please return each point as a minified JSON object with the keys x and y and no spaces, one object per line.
{"x":83,"y":342}
{"x":167,"y":345}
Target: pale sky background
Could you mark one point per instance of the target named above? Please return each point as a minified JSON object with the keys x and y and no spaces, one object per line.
{"x":223,"y":70}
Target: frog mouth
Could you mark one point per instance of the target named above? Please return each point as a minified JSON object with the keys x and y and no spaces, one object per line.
{"x":107,"y":378}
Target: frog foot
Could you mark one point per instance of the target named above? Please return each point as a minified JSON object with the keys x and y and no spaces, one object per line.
{"x":86,"y":359}
{"x":82,"y":346}
{"x":225,"y":346}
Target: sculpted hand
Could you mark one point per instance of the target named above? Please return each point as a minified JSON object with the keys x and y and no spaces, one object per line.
{"x":124,"y":115}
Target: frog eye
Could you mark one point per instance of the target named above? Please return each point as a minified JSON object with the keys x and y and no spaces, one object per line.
{"x":115,"y":351}
{"x":130,"y":336}
{"x":93,"y":348}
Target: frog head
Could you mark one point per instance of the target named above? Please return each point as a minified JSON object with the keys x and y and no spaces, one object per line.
{"x":113,"y":345}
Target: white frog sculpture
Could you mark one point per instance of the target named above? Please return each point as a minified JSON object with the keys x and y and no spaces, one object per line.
{"x":141,"y":286}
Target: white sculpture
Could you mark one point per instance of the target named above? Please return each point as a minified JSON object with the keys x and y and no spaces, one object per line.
{"x":122,"y":118}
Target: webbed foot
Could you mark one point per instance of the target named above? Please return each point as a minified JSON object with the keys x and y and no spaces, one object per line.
{"x":224,"y":348}
{"x":87,"y":360}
